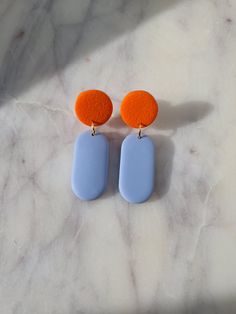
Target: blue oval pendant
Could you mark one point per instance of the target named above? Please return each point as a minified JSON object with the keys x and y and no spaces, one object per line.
{"x":90,"y":166}
{"x":137,"y":168}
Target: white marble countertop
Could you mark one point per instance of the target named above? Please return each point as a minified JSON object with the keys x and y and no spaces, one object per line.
{"x":174,"y":254}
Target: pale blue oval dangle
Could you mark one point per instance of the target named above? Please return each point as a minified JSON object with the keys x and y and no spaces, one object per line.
{"x":137,"y":168}
{"x":90,"y":166}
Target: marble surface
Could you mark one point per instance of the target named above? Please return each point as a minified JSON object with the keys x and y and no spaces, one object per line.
{"x":174,"y":254}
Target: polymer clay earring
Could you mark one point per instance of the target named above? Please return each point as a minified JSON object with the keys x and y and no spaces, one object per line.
{"x":91,"y":152}
{"x":137,"y":161}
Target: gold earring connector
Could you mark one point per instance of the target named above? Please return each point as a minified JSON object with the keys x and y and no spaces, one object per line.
{"x":140,"y":135}
{"x":93,"y":131}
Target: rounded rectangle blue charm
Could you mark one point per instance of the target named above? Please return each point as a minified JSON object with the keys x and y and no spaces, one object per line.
{"x":137,"y":168}
{"x":90,"y":165}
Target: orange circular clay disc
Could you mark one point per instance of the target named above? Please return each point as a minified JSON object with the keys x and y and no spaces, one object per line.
{"x":138,"y":109}
{"x":93,"y":107}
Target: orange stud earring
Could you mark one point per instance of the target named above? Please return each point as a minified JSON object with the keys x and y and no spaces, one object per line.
{"x":91,"y":153}
{"x":137,"y":163}
{"x":138,"y":109}
{"x":93,"y":107}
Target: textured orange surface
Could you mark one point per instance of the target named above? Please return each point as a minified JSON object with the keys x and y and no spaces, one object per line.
{"x":138,"y":109}
{"x":93,"y":107}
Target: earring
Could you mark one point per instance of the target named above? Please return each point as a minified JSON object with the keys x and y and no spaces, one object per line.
{"x":137,"y":161}
{"x":91,"y":152}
